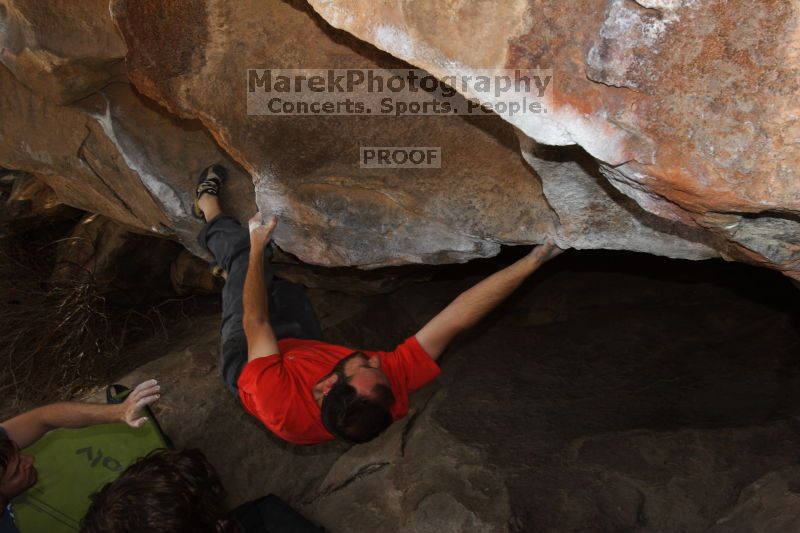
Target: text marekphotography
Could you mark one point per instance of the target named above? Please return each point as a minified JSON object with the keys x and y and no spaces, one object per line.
{"x":399,"y":92}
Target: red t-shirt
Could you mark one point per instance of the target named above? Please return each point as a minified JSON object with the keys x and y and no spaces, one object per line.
{"x":278,"y":389}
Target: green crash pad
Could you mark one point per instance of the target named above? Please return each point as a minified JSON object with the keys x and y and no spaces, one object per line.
{"x":73,"y":464}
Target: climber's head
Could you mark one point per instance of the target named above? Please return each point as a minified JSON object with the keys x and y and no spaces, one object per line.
{"x":167,"y":491}
{"x":356,"y":399}
{"x":17,"y":471}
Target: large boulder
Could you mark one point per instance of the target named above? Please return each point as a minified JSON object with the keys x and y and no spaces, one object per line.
{"x":691,"y":107}
{"x":768,"y":504}
{"x":63,"y":50}
{"x":307,"y":169}
{"x":115,"y":154}
{"x":28,"y":204}
{"x":683,"y":118}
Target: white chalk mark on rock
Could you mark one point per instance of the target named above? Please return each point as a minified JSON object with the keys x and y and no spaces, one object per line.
{"x":162,"y":192}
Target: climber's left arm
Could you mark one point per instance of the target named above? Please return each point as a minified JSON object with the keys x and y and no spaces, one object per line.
{"x":475,"y":303}
{"x":261,"y":340}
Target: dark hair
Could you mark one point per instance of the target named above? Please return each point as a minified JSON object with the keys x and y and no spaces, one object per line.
{"x":166,"y":491}
{"x":353,"y":418}
{"x":7,"y":451}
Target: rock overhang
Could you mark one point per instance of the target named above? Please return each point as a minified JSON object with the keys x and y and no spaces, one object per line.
{"x":685,"y":152}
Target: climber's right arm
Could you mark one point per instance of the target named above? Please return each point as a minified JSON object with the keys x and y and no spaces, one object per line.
{"x":475,"y":303}
{"x":261,"y":341}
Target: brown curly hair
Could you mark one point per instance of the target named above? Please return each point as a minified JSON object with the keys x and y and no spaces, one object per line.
{"x":7,"y":451}
{"x":164,"y":492}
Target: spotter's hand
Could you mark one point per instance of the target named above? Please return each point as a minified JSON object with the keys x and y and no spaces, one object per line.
{"x":143,"y":395}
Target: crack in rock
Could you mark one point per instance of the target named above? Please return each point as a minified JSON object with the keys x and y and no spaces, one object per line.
{"x":362,"y":472}
{"x":411,"y":423}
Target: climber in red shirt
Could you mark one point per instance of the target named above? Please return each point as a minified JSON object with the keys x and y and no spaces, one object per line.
{"x":304,"y":390}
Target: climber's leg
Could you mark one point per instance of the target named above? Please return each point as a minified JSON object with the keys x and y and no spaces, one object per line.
{"x":229,"y":243}
{"x":290,"y":311}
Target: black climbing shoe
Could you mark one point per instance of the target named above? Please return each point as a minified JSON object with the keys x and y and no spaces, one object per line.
{"x":218,"y":273}
{"x":210,"y":182}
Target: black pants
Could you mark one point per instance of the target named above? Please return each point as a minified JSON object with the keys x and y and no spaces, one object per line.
{"x":290,"y":311}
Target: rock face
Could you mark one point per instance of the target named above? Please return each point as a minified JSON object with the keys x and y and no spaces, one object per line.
{"x":767,"y":504}
{"x":29,"y":204}
{"x":684,"y":116}
{"x":115,"y":154}
{"x":691,"y":107}
{"x":306,"y":168}
{"x":62,"y":50}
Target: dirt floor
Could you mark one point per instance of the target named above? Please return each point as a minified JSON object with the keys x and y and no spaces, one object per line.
{"x":614,"y":392}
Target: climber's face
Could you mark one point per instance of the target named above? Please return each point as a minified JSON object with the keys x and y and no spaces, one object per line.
{"x":361,"y":372}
